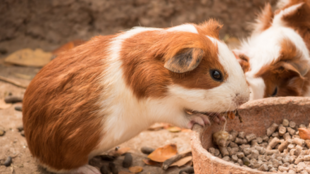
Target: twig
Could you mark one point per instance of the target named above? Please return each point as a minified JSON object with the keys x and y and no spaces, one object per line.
{"x":168,"y":162}
{"x":13,"y":82}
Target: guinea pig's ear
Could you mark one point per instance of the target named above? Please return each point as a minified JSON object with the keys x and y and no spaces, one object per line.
{"x":186,"y":60}
{"x":300,"y":67}
{"x":242,"y":59}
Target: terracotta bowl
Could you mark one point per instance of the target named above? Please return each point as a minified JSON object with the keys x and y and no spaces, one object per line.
{"x":257,"y":116}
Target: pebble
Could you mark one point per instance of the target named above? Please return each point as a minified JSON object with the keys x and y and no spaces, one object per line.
{"x":187,"y":170}
{"x":127,"y":160}
{"x":8,"y":161}
{"x":2,"y":132}
{"x":18,"y":108}
{"x":104,"y":170}
{"x":107,"y":157}
{"x":148,"y":150}
{"x":20,"y":128}
{"x":113,"y":168}
{"x":22,"y":133}
{"x":13,"y":99}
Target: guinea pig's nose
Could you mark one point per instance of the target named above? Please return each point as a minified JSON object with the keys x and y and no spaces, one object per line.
{"x":239,"y":100}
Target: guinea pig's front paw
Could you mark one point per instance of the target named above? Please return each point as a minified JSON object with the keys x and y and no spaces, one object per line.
{"x":204,"y":119}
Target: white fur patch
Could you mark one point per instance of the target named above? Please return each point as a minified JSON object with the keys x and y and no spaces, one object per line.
{"x":185,"y":27}
{"x":257,"y":87}
{"x":282,"y":3}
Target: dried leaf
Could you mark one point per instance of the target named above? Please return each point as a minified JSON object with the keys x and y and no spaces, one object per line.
{"x":29,"y":57}
{"x":163,"y":153}
{"x":231,"y":115}
{"x":150,"y":162}
{"x":68,"y":46}
{"x":186,"y":130}
{"x":182,"y":161}
{"x":304,"y":133}
{"x":174,"y":129}
{"x":4,"y":105}
{"x":136,"y":169}
{"x":158,"y":126}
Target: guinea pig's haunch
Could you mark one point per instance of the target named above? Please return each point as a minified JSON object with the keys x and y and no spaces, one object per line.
{"x":107,"y":90}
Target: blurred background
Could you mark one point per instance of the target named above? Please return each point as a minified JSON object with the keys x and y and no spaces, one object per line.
{"x":47,"y":24}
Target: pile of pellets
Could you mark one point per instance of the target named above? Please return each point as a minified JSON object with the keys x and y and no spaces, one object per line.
{"x":281,"y":150}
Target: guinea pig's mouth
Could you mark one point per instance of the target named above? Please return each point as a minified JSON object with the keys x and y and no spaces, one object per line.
{"x":205,"y":118}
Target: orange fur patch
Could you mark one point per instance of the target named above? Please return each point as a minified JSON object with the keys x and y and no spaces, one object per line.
{"x":144,"y":56}
{"x":61,"y":114}
{"x":299,"y":21}
{"x":284,"y":74}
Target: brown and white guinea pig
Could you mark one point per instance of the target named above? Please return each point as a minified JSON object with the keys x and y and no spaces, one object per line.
{"x":109,"y":89}
{"x":275,"y":57}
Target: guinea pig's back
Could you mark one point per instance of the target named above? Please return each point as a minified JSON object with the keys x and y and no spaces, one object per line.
{"x":62,"y":104}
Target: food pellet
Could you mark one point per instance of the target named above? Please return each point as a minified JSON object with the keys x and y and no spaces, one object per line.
{"x":280,"y":150}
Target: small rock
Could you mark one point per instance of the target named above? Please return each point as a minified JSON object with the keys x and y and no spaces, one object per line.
{"x":188,"y":170}
{"x":127,"y":160}
{"x":8,"y":161}
{"x":18,"y":108}
{"x":112,"y":168}
{"x":20,"y":128}
{"x":148,"y":150}
{"x":13,"y":99}
{"x":107,"y":157}
{"x":104,"y":170}
{"x":2,"y":132}
{"x":22,"y":133}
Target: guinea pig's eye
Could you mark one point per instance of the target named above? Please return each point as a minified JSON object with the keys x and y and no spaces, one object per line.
{"x":274,"y":92}
{"x":216,"y":75}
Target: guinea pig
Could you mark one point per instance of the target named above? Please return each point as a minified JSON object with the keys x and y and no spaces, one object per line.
{"x":107,"y":90}
{"x":275,"y":58}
